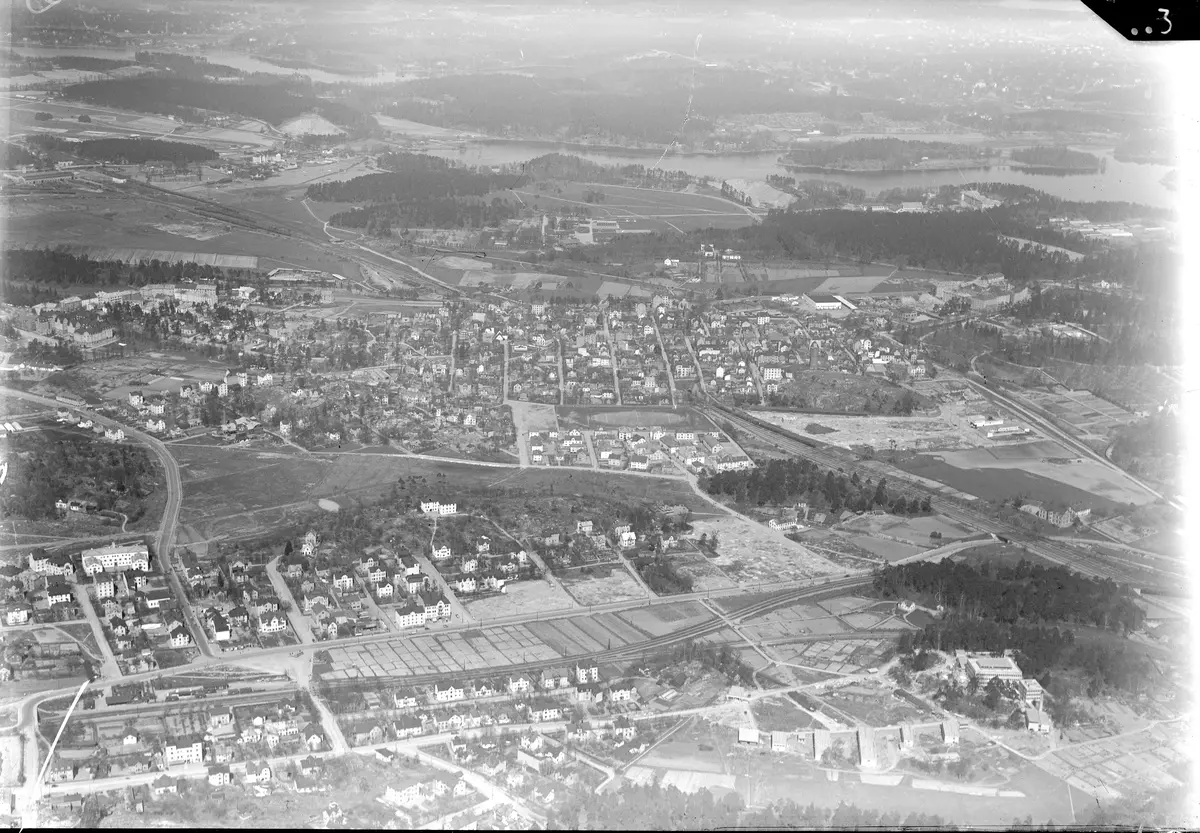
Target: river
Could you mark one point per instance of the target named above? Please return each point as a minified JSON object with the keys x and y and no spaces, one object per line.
{"x":1120,"y":181}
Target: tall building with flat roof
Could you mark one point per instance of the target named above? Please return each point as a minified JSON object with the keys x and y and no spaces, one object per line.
{"x":983,"y":668}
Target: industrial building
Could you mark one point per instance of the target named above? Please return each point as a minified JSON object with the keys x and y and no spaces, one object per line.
{"x":822,"y":303}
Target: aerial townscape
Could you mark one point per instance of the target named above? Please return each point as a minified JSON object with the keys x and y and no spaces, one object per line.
{"x":589,"y":416}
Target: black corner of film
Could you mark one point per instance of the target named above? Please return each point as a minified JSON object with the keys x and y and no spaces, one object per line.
{"x":1150,"y":21}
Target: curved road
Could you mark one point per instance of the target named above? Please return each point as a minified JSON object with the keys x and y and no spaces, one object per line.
{"x":165,"y":542}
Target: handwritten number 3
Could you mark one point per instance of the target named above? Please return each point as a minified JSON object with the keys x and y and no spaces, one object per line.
{"x":1170,"y":25}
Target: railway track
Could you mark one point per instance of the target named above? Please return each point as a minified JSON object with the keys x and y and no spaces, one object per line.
{"x":1052,"y":551}
{"x":638,"y":649}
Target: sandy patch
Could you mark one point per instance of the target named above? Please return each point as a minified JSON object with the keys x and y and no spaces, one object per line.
{"x":521,"y":597}
{"x":10,"y":766}
{"x":192,"y":230}
{"x":311,"y":124}
{"x":328,"y":505}
{"x":754,"y":554}
{"x":762,"y":194}
{"x":615,"y":587}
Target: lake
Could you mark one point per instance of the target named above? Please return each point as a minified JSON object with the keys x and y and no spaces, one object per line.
{"x":1120,"y":181}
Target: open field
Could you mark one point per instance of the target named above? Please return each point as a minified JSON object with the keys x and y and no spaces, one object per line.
{"x":413,"y":128}
{"x":751,"y":554}
{"x":663,"y":619}
{"x":912,"y":530}
{"x":873,"y":704}
{"x":108,"y":123}
{"x":601,"y":417}
{"x":655,"y":209}
{"x":888,"y":550}
{"x":125,"y":221}
{"x":594,"y":590}
{"x":518,"y":597}
{"x":1050,"y":460}
{"x":1000,"y":483}
{"x":1140,"y":387}
{"x":704,"y":574}
{"x":780,"y":714}
{"x":1088,"y":415}
{"x":948,"y":430}
{"x":1006,"y":554}
{"x":798,"y":620}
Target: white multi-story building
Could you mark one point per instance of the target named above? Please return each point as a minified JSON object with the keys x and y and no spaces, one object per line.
{"x":183,"y":751}
{"x":116,"y":557}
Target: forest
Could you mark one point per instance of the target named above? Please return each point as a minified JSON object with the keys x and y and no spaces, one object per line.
{"x":780,"y":482}
{"x":1057,"y":157}
{"x":188,"y":66}
{"x":272,"y":99}
{"x":661,"y":576}
{"x":649,"y":109}
{"x":880,"y":154}
{"x":1130,"y":330}
{"x":128,"y":151}
{"x":45,"y":468}
{"x":1025,"y":593}
{"x":1146,"y":146}
{"x":1152,"y":448}
{"x":418,"y":190}
{"x":14,"y":156}
{"x":47,"y":266}
{"x":1025,"y":608}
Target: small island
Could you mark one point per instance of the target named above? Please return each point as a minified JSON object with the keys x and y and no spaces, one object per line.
{"x":1057,"y":160}
{"x":885,"y":156}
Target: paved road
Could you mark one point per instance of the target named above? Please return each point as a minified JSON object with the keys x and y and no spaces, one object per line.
{"x":299,"y":622}
{"x":165,"y":542}
{"x":108,"y":667}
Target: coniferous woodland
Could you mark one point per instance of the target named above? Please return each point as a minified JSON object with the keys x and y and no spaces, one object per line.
{"x":788,"y":482}
{"x":1062,"y":158}
{"x":418,"y":190}
{"x":1029,"y":609}
{"x":273,"y":99}
{"x":42,"y":267}
{"x":128,"y":151}
{"x":43,"y":470}
{"x":881,"y":154}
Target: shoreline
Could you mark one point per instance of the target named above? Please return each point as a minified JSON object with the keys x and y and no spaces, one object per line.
{"x":819,"y":169}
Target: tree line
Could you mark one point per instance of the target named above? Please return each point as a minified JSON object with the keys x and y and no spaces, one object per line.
{"x":272,"y":99}
{"x":879,"y":154}
{"x":786,"y":482}
{"x":38,"y":267}
{"x":128,"y":151}
{"x":1025,"y":592}
{"x":418,"y":190}
{"x":647,"y":111}
{"x":15,"y":156}
{"x":1043,"y":156}
{"x":42,"y":471}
